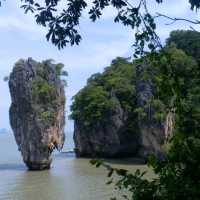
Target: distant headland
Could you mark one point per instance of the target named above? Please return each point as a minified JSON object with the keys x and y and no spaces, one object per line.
{"x":4,"y":131}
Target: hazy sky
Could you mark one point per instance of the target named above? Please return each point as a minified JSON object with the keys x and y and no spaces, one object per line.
{"x":20,"y":37}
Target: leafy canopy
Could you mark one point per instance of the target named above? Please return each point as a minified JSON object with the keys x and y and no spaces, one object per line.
{"x":188,"y":41}
{"x":97,"y":101}
{"x":63,"y":24}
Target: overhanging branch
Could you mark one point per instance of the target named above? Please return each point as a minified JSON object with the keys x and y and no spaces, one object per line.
{"x":175,"y":19}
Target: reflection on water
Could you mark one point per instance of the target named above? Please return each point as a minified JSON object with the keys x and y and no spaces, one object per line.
{"x":69,"y":178}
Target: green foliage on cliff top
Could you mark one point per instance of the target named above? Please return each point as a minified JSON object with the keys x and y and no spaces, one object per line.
{"x":44,"y":92}
{"x":104,"y":92}
{"x":92,"y":105}
{"x":188,"y":41}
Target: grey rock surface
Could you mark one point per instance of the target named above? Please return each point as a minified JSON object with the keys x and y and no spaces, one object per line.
{"x":112,"y":138}
{"x":152,"y":134}
{"x":36,"y":138}
{"x":109,"y":140}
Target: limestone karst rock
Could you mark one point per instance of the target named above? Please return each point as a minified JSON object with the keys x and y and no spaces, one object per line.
{"x":37,"y":111}
{"x":109,"y":140}
{"x":151,"y":131}
{"x":107,"y":115}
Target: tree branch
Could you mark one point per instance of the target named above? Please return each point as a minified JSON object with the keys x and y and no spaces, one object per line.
{"x":174,"y":19}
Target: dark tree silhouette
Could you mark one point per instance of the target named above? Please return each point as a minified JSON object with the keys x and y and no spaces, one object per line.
{"x":63,"y":25}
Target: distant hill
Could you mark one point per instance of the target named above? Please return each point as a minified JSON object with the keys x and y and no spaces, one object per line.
{"x":4,"y":131}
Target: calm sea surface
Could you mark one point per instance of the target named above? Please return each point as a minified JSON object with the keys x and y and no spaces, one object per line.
{"x":68,"y":179}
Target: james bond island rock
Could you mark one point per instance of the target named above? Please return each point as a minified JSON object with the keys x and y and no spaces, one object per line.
{"x":37,"y":114}
{"x":111,"y":118}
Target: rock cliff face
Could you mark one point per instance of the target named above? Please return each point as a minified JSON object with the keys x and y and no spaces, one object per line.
{"x":37,"y":111}
{"x":123,"y":133}
{"x":152,"y":132}
{"x":106,"y":140}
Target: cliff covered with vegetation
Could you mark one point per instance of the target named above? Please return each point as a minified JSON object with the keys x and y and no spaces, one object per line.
{"x":105,"y":120}
{"x":130,"y":109}
{"x":112,"y":116}
{"x":37,"y":113}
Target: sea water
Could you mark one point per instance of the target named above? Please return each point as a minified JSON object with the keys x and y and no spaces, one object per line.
{"x":69,"y":178}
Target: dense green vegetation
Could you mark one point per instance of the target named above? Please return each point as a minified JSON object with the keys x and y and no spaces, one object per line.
{"x":188,"y":41}
{"x":177,"y":82}
{"x":104,"y":92}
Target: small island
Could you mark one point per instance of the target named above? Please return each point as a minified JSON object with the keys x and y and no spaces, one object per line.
{"x":37,"y":114}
